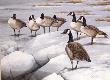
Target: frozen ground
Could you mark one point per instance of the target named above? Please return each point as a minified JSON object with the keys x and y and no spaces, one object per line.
{"x":96,"y":13}
{"x":99,"y":53}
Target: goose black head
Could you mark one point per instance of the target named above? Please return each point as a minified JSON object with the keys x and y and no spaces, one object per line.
{"x":71,"y":14}
{"x":33,"y":17}
{"x":30,"y":18}
{"x":80,"y":18}
{"x":68,"y":31}
{"x":84,"y":21}
{"x":54,"y":17}
{"x":14,"y":16}
{"x":74,"y":16}
{"x":42,"y":16}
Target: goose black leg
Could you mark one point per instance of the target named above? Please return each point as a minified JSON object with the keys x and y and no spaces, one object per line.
{"x":76,"y":65}
{"x":49,"y":29}
{"x":35,"y":33}
{"x":19,"y":32}
{"x":77,"y":35}
{"x":44,"y":29}
{"x":92,"y":40}
{"x":31,"y":32}
{"x":72,"y":64}
{"x":57,"y":28}
{"x":14,"y":32}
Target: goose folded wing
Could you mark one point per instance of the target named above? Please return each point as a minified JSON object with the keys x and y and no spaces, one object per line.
{"x":78,"y":51}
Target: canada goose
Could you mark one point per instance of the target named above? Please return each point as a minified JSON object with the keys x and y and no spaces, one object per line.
{"x":75,"y":50}
{"x":59,"y":23}
{"x":91,"y":30}
{"x":45,"y":21}
{"x":33,"y":26}
{"x":16,"y":24}
{"x":75,"y":24}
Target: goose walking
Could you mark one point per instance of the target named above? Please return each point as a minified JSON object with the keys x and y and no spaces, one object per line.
{"x":45,"y":21}
{"x":59,"y":23}
{"x":75,"y":50}
{"x":16,"y":24}
{"x":75,"y":24}
{"x":33,"y":26}
{"x":91,"y":30}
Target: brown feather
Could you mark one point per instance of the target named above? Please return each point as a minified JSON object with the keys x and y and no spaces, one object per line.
{"x":78,"y":52}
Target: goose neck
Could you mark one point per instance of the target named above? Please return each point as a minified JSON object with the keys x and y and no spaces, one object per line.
{"x":74,"y":18}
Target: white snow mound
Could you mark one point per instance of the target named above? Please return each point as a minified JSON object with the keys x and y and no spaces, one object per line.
{"x":17,"y":63}
{"x":53,"y":76}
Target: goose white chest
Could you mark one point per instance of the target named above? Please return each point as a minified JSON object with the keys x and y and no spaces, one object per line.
{"x":75,"y":26}
{"x":12,"y":23}
{"x":33,"y":25}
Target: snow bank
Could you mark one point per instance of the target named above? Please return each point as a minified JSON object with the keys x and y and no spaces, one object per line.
{"x":47,"y":44}
{"x":53,"y":76}
{"x":17,"y":63}
{"x":7,"y":47}
{"x":95,"y":70}
{"x":20,"y":63}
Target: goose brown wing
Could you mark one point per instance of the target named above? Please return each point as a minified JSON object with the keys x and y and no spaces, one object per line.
{"x":78,"y":51}
{"x":93,"y":28}
{"x":24,"y":24}
{"x":61,"y":19}
{"x":48,"y":17}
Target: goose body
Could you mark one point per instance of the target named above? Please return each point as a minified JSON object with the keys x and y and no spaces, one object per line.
{"x":45,"y":21}
{"x":75,"y":50}
{"x":91,"y":30}
{"x":16,"y":23}
{"x":59,"y":23}
{"x":75,"y":24}
{"x":33,"y":26}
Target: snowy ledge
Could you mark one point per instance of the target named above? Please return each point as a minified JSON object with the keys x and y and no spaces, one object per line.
{"x":98,"y":69}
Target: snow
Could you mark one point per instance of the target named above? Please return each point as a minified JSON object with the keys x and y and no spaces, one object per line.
{"x":98,"y":52}
{"x":18,"y":63}
{"x":53,"y":76}
{"x":49,"y":44}
{"x":7,"y":47}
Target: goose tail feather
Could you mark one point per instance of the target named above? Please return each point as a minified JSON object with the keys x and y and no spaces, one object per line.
{"x":103,"y":33}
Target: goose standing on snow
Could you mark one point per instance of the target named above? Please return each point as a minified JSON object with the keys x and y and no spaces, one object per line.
{"x":75,"y":24}
{"x":91,"y":30}
{"x":75,"y":50}
{"x":16,"y":24}
{"x":45,"y":21}
{"x":59,"y":23}
{"x":33,"y":26}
